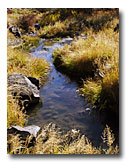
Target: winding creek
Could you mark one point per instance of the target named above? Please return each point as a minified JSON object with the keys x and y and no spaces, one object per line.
{"x":61,"y":103}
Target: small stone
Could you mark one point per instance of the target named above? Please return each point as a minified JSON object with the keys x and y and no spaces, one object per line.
{"x":87,"y":109}
{"x":74,"y":131}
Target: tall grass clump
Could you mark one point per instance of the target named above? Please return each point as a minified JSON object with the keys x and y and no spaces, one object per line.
{"x":52,"y":31}
{"x":15,"y":116}
{"x":29,"y":42}
{"x":23,"y":63}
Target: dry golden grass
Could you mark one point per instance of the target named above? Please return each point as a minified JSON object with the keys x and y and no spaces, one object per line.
{"x":15,"y":116}
{"x":54,"y":142}
{"x":21,"y":62}
{"x":52,"y":30}
{"x":86,"y":59}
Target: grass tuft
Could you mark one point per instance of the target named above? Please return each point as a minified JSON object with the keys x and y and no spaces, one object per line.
{"x":23,"y":63}
{"x":15,"y":115}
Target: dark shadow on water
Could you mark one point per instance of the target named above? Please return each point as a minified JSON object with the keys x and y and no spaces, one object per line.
{"x":32,"y":110}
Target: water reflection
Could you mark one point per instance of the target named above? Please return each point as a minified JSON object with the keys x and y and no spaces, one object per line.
{"x":61,"y":103}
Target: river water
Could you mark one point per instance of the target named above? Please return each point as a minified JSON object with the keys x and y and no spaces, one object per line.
{"x":61,"y":102}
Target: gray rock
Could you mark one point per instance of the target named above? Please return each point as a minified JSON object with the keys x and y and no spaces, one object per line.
{"x":88,"y":109}
{"x":15,"y":31}
{"x":24,"y":131}
{"x":34,"y":81}
{"x":25,"y":88}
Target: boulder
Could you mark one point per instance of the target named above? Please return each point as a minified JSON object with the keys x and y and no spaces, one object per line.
{"x":25,"y":89}
{"x":15,"y":31}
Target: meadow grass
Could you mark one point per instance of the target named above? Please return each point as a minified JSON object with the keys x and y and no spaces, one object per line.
{"x":52,"y":31}
{"x":96,"y":61}
{"x":29,"y":42}
{"x":58,"y":22}
{"x":56,"y":142}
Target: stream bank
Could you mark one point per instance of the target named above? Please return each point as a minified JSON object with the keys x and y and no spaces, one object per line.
{"x":61,"y":102}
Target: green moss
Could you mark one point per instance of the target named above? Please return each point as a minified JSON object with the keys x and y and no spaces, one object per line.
{"x":30,"y":42}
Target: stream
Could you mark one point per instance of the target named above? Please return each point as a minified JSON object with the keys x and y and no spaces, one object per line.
{"x":61,"y":102}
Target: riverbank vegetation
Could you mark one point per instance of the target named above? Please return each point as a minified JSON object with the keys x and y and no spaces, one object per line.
{"x":53,"y":141}
{"x":21,"y":62}
{"x":95,"y":60}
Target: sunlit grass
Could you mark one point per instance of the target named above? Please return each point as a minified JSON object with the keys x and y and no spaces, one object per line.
{"x":54,"y":142}
{"x":20,"y":62}
{"x":29,"y":42}
{"x":53,"y":30}
{"x":96,"y":61}
{"x":15,"y":116}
